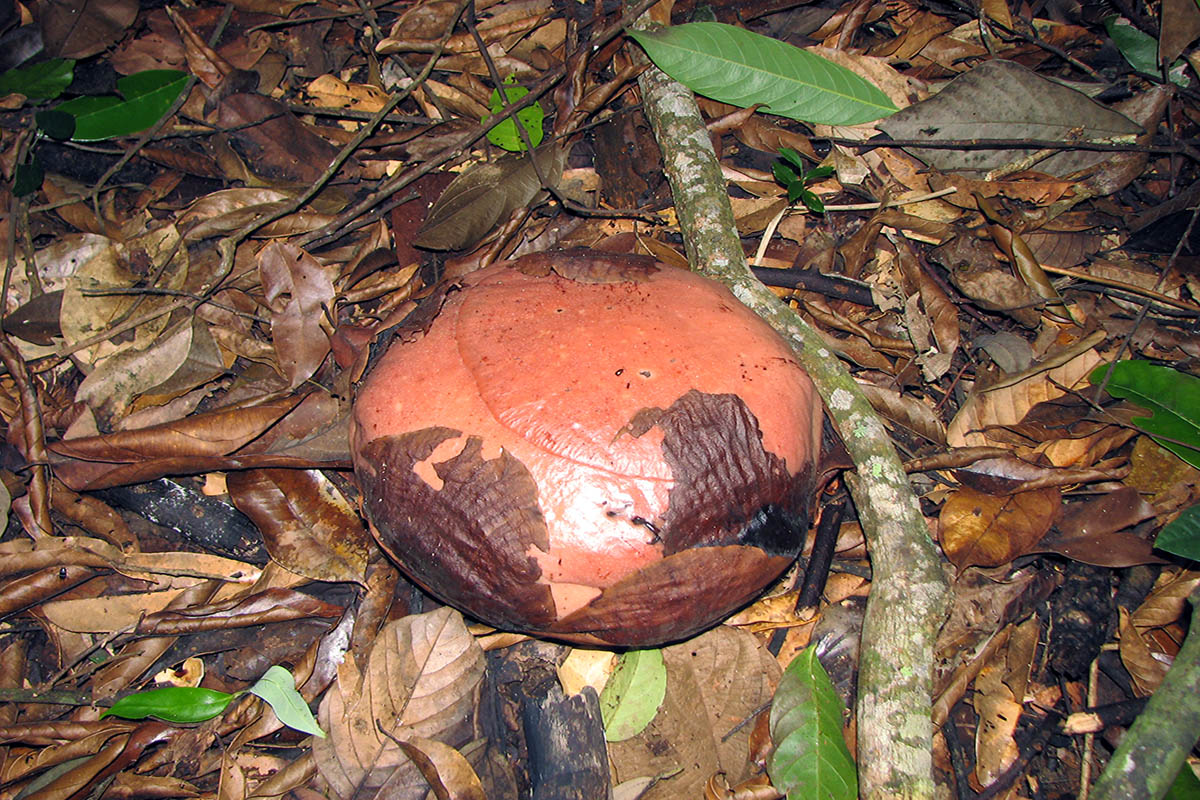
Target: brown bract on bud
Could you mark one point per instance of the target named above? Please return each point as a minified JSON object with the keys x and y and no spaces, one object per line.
{"x":587,"y":446}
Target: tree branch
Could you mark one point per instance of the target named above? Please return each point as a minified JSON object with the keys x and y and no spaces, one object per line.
{"x":909,"y":594}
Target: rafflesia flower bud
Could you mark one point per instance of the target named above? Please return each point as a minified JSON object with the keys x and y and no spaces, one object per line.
{"x":588,"y":446}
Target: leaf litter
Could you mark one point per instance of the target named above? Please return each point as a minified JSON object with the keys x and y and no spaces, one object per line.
{"x":199,"y":317}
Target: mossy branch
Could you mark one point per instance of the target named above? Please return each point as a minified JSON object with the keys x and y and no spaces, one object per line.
{"x":1156,"y":746}
{"x":909,"y":593}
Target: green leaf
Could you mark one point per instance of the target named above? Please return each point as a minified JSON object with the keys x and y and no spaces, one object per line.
{"x":55,"y":124}
{"x":1171,"y":397}
{"x":812,"y":202}
{"x":1181,"y":536}
{"x":147,"y":97}
{"x":44,"y":81}
{"x":27,"y":178}
{"x":793,"y":158}
{"x":1185,"y":787}
{"x":785,"y":173}
{"x":277,"y":688}
{"x":634,"y":692}
{"x":1140,"y":49}
{"x":741,"y":67}
{"x":172,"y":703}
{"x":811,"y":758}
{"x":505,"y":134}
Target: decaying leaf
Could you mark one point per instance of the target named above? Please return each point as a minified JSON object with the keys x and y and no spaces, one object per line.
{"x":298,"y":291}
{"x":721,"y":677}
{"x":483,"y":195}
{"x":307,"y":523}
{"x":978,"y":529}
{"x":1000,"y":99}
{"x":421,"y":679}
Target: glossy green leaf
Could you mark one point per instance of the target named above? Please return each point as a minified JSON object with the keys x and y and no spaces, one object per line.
{"x":810,"y":758}
{"x":1181,"y":536}
{"x":145,"y":98}
{"x":277,"y":688}
{"x":172,"y":703}
{"x":741,"y":67}
{"x":505,"y":134}
{"x":1171,"y":397}
{"x":634,"y":691}
{"x":44,"y":81}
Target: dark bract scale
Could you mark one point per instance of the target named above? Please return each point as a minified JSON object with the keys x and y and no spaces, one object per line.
{"x":587,"y":446}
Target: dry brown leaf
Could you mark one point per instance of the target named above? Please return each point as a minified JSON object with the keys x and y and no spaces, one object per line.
{"x":1009,"y":405}
{"x":447,"y":771}
{"x":1145,"y":664}
{"x":999,"y":713}
{"x":105,"y":614}
{"x":977,"y":529}
{"x":29,"y":590}
{"x":308,"y":525}
{"x":332,"y":92}
{"x":299,"y":292}
{"x":906,"y":411}
{"x":214,"y":433}
{"x":484,"y":195}
{"x":270,"y":605}
{"x":1091,"y":531}
{"x":421,"y":679}
{"x":1168,"y":600}
{"x":714,"y":682}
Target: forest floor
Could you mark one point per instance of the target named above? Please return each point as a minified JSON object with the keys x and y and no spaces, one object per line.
{"x":196,"y":266}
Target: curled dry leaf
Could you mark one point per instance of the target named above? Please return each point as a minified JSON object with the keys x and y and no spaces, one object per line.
{"x":421,"y":679}
{"x":269,"y":605}
{"x":29,"y":590}
{"x":1168,"y":600}
{"x":307,"y":523}
{"x":1010,"y":404}
{"x":295,"y":431}
{"x":977,"y":529}
{"x":1145,"y":663}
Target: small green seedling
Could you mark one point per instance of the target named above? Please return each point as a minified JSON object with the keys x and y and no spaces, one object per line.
{"x":793,"y":175}
{"x":506,"y":135}
{"x":193,"y":704}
